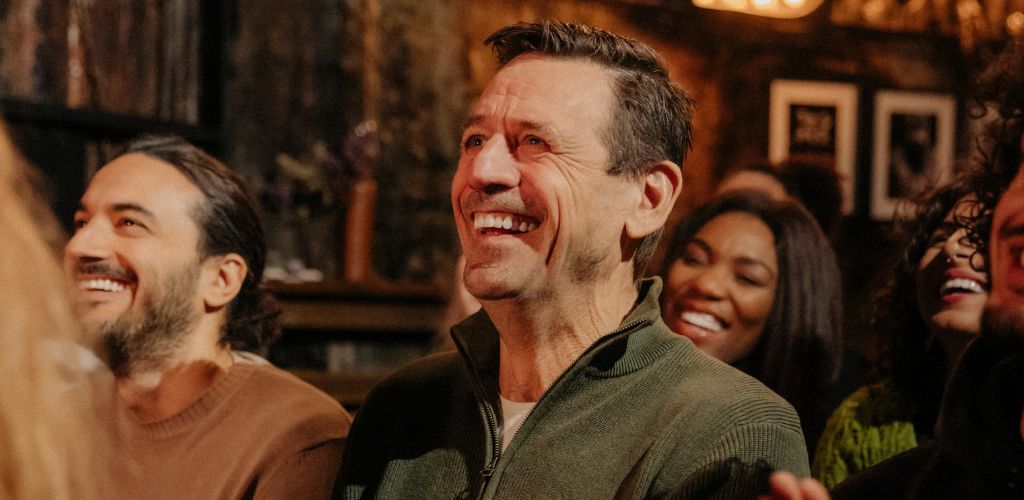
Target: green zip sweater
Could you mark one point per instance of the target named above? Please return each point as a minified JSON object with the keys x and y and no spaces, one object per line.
{"x":641,"y":414}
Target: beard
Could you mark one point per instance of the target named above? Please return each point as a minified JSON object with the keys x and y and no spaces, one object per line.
{"x":1005,"y":325}
{"x":141,"y":340}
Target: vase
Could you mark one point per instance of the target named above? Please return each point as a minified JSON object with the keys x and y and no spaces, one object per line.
{"x":357,"y":265}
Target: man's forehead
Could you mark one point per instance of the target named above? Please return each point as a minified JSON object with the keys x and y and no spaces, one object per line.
{"x":535,"y":90}
{"x":137,"y":179}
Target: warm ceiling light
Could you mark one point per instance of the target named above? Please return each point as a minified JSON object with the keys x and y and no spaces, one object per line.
{"x":786,"y":9}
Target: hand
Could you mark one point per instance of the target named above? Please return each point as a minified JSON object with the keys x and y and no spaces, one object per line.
{"x":785,"y":486}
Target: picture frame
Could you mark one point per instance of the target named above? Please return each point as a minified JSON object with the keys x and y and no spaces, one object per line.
{"x":816,"y":119}
{"x":913,"y":147}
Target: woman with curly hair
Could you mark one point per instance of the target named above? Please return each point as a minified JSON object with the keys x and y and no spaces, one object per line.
{"x":925,"y":317}
{"x":925,"y":336}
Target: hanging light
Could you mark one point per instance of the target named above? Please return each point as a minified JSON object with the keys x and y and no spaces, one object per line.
{"x":783,"y":9}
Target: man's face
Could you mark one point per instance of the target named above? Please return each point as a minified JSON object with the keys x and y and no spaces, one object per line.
{"x":1004,"y":312}
{"x":534,"y":205}
{"x":134,"y":258}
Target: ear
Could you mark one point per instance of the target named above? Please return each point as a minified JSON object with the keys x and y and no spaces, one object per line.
{"x":660,"y":190}
{"x":223,"y":276}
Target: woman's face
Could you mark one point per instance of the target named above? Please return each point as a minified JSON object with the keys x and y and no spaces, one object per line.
{"x":720,"y":290}
{"x":950,"y":293}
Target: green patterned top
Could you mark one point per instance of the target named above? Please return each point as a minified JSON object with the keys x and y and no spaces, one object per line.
{"x":871,"y":425}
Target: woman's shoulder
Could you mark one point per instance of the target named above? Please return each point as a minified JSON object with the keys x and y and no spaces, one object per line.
{"x":871,"y":425}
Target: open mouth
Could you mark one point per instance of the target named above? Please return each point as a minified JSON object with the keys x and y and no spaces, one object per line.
{"x":101,"y":285}
{"x":503,"y":223}
{"x":961,"y":285}
{"x":103,"y":277}
{"x":701,"y":320}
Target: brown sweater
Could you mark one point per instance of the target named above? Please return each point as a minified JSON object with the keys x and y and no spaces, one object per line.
{"x":258,"y":433}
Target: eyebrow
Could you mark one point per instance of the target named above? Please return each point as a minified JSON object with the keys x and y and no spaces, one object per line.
{"x":544,"y":129}
{"x":1011,"y":229}
{"x":125,"y":207}
{"x":746,"y":261}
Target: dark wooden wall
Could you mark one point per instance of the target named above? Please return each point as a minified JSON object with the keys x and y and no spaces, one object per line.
{"x":287,"y":75}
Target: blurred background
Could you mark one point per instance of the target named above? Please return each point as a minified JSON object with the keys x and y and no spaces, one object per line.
{"x":345,"y":115}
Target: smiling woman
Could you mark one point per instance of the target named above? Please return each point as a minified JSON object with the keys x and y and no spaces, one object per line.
{"x":754,"y":283}
{"x":925,"y":315}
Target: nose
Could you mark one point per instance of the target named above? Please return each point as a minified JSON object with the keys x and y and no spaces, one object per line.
{"x":957,"y":246}
{"x":90,"y":242}
{"x":710,"y":283}
{"x":494,"y":168}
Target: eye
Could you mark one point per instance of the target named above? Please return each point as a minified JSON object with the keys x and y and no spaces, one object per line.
{"x":1015,"y":255}
{"x":750,"y":280}
{"x":939,"y":236}
{"x":533,"y":143}
{"x":79,"y":221}
{"x":693,"y":256}
{"x":473,"y":141}
{"x":128,"y":222}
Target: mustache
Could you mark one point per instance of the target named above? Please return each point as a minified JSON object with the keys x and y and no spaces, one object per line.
{"x":500,"y":202}
{"x":105,"y":269}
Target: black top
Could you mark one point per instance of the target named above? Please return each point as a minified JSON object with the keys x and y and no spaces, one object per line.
{"x":978,"y":451}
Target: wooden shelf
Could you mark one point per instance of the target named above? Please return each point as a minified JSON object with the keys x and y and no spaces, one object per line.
{"x":363,"y":307}
{"x":345,"y":311}
{"x":369,"y":290}
{"x":101,"y":123}
{"x":350,"y":389}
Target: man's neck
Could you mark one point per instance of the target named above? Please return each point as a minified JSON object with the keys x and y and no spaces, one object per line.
{"x":182,"y":380}
{"x":541,"y":338}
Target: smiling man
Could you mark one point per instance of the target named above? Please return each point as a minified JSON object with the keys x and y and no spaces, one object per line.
{"x":167,"y":255}
{"x":568,"y":384}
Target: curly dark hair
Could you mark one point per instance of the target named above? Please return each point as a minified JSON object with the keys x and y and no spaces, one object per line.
{"x":917,"y":366}
{"x":998,"y":91}
{"x":228,"y":223}
{"x":653,"y":117}
{"x":798,"y":354}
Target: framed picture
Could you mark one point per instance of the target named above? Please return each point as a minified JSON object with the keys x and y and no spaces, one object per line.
{"x":913,"y":147}
{"x":816,"y":119}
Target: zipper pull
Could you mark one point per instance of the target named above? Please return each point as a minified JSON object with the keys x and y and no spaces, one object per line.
{"x":487,"y":471}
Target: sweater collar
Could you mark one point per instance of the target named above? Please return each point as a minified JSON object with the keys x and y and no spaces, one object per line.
{"x":214,"y":400}
{"x":630,"y":347}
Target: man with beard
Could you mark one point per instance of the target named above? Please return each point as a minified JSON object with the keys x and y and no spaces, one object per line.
{"x":167,"y":256}
{"x":568,"y":384}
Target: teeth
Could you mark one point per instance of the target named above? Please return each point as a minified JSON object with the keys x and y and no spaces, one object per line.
{"x":507,"y":222}
{"x":101,"y":284}
{"x":702,"y":320}
{"x":962,"y":284}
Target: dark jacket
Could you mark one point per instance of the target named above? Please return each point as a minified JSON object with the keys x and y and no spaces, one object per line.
{"x":641,"y":414}
{"x":977,"y":451}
